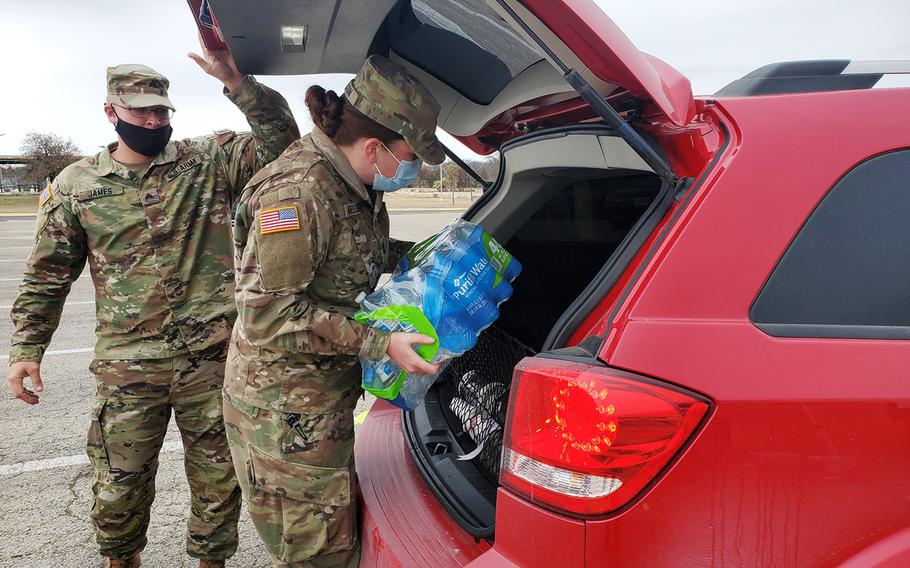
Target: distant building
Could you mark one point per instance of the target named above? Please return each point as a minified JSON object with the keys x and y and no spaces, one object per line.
{"x":12,"y":179}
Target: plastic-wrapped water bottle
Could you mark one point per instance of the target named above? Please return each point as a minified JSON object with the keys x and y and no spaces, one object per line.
{"x":448,"y":287}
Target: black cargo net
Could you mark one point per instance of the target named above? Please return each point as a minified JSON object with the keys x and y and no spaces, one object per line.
{"x":474,"y":392}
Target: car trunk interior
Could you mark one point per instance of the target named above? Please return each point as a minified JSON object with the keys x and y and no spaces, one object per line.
{"x":564,"y":203}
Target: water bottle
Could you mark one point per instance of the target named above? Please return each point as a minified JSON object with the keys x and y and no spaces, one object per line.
{"x":503,"y":262}
{"x":468,"y":296}
{"x":455,"y":327}
{"x":473,"y":237}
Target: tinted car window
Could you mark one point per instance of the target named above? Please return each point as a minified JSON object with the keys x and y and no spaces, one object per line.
{"x":599,"y":210}
{"x":847,"y":272}
{"x":567,"y":241}
{"x":463,"y":43}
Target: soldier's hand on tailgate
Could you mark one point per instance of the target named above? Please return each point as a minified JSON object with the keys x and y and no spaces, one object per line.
{"x":401,"y":351}
{"x":17,"y":373}
{"x":219,"y":64}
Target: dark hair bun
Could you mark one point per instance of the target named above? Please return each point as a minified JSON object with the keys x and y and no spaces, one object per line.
{"x":325,"y":109}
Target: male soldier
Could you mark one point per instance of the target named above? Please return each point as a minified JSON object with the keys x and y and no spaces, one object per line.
{"x":152,"y":218}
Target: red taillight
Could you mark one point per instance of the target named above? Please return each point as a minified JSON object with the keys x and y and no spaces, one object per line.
{"x":586,"y":439}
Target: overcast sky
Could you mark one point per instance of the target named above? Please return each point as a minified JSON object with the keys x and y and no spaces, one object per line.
{"x":54,"y":54}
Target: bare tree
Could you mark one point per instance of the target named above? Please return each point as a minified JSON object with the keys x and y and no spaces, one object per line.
{"x":429,"y":175}
{"x":49,"y":153}
{"x":487,"y":168}
{"x":453,"y":177}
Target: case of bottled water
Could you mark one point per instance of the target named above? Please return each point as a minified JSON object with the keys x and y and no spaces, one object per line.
{"x":449,"y":287}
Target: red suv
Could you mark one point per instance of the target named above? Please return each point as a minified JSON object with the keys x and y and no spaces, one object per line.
{"x":706,"y":359}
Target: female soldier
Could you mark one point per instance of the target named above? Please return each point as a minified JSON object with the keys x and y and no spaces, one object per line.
{"x":311,"y":234}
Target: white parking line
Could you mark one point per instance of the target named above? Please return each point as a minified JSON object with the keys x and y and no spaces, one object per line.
{"x":13,"y":259}
{"x":66,"y":304}
{"x":65,"y":461}
{"x":26,"y":238}
{"x":58,"y":352}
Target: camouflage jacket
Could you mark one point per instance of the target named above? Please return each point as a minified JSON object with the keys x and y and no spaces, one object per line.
{"x":308,"y":238}
{"x":158,"y":244}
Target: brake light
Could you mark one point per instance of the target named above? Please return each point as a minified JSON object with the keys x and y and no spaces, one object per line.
{"x":586,"y":439}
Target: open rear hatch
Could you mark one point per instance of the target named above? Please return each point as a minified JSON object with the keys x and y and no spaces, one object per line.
{"x":500,"y":68}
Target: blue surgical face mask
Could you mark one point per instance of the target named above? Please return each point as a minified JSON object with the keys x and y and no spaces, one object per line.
{"x":405,"y":174}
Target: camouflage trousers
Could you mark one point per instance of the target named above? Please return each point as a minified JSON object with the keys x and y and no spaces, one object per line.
{"x":297,"y":474}
{"x":130,"y":415}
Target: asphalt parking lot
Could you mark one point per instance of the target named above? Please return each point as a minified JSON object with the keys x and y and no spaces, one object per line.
{"x":45,"y":479}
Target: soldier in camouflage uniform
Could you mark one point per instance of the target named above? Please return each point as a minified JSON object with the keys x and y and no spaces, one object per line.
{"x":311,"y":234}
{"x":152,"y":218}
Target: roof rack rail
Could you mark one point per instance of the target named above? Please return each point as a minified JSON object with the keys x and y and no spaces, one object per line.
{"x":812,"y":76}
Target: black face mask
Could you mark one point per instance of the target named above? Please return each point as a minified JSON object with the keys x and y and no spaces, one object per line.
{"x":146,"y":141}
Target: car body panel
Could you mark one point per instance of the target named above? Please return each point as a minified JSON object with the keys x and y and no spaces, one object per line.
{"x":403,"y":524}
{"x":540,"y":538}
{"x":800,"y":422}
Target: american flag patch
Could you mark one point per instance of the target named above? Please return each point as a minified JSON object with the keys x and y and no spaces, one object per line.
{"x":45,"y":195}
{"x":279,"y":219}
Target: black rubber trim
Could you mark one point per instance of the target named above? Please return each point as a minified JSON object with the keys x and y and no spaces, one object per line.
{"x":824,"y":331}
{"x":660,"y":239}
{"x":589,"y":360}
{"x":586,"y":349}
{"x":682,"y":188}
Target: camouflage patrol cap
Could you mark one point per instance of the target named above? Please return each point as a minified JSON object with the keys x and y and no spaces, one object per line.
{"x":386,"y":92}
{"x":136,"y":86}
